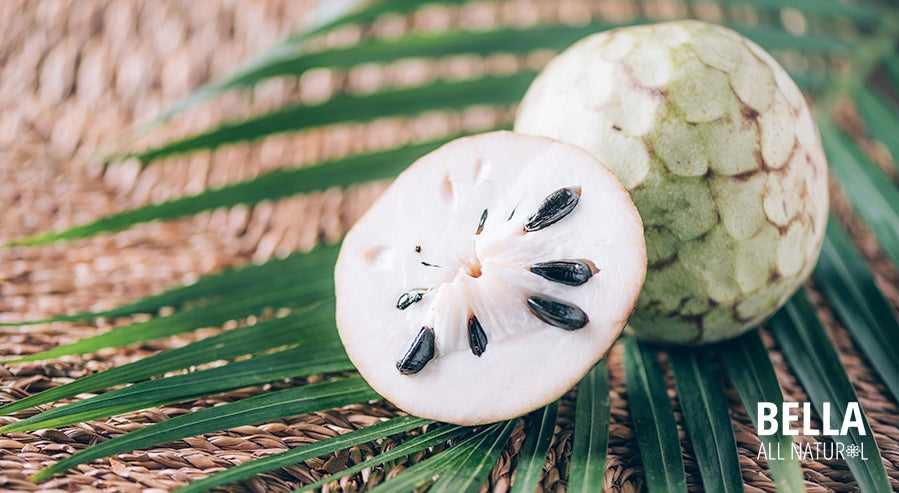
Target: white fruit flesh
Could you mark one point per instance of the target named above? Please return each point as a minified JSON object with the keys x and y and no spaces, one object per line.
{"x":430,"y":215}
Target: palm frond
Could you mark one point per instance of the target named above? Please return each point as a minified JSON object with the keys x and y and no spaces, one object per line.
{"x":882,"y":118}
{"x":856,"y":12}
{"x":426,"y":440}
{"x":304,"y":294}
{"x":211,"y":287}
{"x":812,"y":356}
{"x":370,"y":433}
{"x":424,"y":472}
{"x":874,"y":197}
{"x":305,"y":327}
{"x":891,"y":65}
{"x":269,"y":186}
{"x":752,"y":375}
{"x":312,"y":359}
{"x":274,"y":405}
{"x":848,"y":283}
{"x":469,"y":471}
{"x":440,"y":95}
{"x":707,"y":419}
{"x":533,"y":452}
{"x":326,"y":17}
{"x":653,"y":418}
{"x":590,"y":443}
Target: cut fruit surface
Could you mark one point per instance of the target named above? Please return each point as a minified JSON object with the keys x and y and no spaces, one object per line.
{"x":489,"y":277}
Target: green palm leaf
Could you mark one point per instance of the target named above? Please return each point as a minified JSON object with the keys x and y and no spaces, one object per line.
{"x":873,"y":194}
{"x":707,"y":419}
{"x":317,"y":358}
{"x":306,"y":327}
{"x":847,"y":282}
{"x":469,"y":471}
{"x":860,"y":13}
{"x":417,"y":444}
{"x":813,"y":357}
{"x":351,"y":108}
{"x":881,"y":117}
{"x":269,"y":186}
{"x":264,"y":407}
{"x":891,"y":65}
{"x":315,"y":291}
{"x":232,"y":282}
{"x":653,"y":418}
{"x":752,"y":375}
{"x":327,"y":17}
{"x":424,"y":472}
{"x":320,"y":448}
{"x":533,"y":452}
{"x":590,"y":443}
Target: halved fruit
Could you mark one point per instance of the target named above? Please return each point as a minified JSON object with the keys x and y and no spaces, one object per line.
{"x":489,"y":278}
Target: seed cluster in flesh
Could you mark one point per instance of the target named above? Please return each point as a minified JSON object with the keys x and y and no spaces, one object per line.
{"x":721,"y":156}
{"x":422,"y":348}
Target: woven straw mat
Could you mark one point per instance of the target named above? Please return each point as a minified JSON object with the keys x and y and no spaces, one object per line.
{"x":76,"y":74}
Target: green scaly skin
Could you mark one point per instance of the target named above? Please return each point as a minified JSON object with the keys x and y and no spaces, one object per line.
{"x":721,"y":156}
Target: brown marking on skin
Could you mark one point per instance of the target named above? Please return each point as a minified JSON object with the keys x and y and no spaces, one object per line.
{"x":655,"y":92}
{"x":811,"y":163}
{"x":782,"y":230}
{"x":759,"y":158}
{"x":653,"y":305}
{"x":650,"y":151}
{"x":748,"y":112}
{"x":787,"y":163}
{"x":774,"y":278}
{"x":697,"y":321}
{"x":663,"y":262}
{"x":682,"y":303}
{"x":746,"y":175}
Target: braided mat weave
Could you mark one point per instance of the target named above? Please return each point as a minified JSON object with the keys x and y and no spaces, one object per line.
{"x":74,"y":75}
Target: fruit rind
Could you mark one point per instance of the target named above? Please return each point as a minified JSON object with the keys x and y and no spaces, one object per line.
{"x":721,"y":156}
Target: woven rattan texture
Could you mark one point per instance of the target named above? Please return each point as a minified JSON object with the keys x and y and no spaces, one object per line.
{"x":73,"y":75}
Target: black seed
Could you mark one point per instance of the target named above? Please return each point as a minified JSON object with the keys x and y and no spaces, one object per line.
{"x":420,"y":352}
{"x":511,"y":214}
{"x":570,"y":272}
{"x":477,"y":339}
{"x":417,"y":248}
{"x":553,"y":208}
{"x":481,"y":223}
{"x":407,"y":299}
{"x":430,"y":265}
{"x":557,"y":313}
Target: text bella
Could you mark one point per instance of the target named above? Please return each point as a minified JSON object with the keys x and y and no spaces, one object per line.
{"x":770,"y":422}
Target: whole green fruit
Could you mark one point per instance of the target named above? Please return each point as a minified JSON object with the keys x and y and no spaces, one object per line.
{"x":720,"y":154}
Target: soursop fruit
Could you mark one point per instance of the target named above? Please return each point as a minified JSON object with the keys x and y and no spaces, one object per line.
{"x":489,"y":278}
{"x":720,"y":154}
